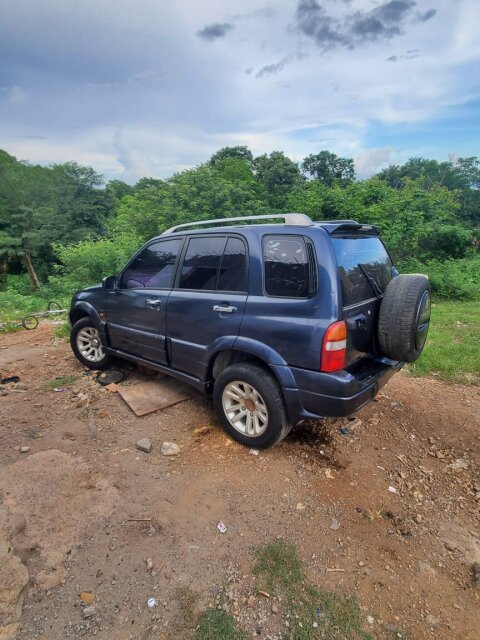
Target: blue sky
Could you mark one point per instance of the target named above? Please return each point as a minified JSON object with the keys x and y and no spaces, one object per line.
{"x":149,"y":87}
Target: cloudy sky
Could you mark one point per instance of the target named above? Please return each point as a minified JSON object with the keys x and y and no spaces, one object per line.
{"x":149,"y":87}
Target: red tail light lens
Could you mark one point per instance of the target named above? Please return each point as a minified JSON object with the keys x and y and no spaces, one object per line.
{"x":334,"y":347}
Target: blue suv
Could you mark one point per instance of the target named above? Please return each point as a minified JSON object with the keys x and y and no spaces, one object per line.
{"x":280,"y":322}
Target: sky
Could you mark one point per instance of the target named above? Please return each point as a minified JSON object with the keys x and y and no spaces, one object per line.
{"x":151,"y":87}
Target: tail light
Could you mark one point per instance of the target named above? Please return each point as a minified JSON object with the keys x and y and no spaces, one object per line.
{"x":334,"y":347}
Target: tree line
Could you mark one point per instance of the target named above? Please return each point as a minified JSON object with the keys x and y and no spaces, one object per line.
{"x":64,"y":227}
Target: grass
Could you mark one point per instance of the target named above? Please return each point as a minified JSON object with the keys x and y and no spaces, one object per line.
{"x":61,"y":381}
{"x":277,"y":567}
{"x":312,"y":613}
{"x":62,"y":331}
{"x":215,"y":624}
{"x":452,"y":351}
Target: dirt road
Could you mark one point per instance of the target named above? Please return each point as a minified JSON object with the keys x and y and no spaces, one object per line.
{"x":82,"y":510}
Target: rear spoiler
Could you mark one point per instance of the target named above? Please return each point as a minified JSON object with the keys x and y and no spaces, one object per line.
{"x":344,"y":226}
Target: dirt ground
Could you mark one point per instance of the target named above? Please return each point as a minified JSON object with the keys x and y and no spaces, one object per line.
{"x":82,"y":510}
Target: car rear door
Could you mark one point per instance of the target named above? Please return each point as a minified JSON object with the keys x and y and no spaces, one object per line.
{"x":365,"y":269}
{"x":206,"y":306}
{"x":136,"y":311}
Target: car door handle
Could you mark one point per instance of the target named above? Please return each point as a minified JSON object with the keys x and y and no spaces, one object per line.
{"x":153,"y":303}
{"x":224,"y":309}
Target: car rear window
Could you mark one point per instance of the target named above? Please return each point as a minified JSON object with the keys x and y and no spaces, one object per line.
{"x":355,"y":256}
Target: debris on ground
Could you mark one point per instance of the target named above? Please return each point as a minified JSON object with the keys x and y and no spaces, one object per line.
{"x":221,"y":527}
{"x":112,"y":376}
{"x":151,"y":396}
{"x":9,"y":379}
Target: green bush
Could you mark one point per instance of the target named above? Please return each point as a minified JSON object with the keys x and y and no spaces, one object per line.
{"x":89,"y":261}
{"x":450,"y":279}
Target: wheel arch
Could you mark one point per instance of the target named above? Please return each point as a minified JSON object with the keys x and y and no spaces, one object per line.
{"x":85,"y":310}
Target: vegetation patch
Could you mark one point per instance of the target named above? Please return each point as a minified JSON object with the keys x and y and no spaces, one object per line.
{"x":311,"y":613}
{"x":215,"y":624}
{"x":61,"y":381}
{"x":452,"y":351}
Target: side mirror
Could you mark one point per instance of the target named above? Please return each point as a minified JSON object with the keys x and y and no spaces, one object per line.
{"x":109,"y":283}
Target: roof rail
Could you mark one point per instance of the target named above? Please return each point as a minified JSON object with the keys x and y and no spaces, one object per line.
{"x":338,"y":222}
{"x":294,"y":219}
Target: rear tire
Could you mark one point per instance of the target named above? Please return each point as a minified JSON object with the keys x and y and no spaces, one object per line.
{"x":87,"y":346}
{"x":250,"y":406}
{"x":404,"y":317}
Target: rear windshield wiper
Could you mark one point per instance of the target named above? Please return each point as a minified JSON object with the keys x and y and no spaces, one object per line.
{"x":376,"y":289}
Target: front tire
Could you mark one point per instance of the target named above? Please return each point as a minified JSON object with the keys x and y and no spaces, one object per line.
{"x":250,"y":406}
{"x":87,"y":346}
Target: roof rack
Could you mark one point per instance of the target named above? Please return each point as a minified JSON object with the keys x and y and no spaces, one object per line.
{"x":294,"y":219}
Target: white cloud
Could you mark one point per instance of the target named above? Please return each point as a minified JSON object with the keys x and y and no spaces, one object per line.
{"x":129,"y":87}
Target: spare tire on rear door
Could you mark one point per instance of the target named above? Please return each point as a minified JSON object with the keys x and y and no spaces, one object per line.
{"x":404,"y":317}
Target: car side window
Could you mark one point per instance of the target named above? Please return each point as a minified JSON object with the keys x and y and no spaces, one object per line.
{"x":201,"y":263}
{"x":154,"y":267}
{"x":287,"y":269}
{"x":233,"y":268}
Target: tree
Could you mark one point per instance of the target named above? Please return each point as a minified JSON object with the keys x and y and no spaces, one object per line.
{"x":239,"y":152}
{"x":116,"y":189}
{"x":23,"y":194}
{"x":278,"y":175}
{"x":462,"y":174}
{"x":329,"y":168}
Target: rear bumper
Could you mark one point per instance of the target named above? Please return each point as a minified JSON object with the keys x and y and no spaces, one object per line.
{"x":314,"y":394}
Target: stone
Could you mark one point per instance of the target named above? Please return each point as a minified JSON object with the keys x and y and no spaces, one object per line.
{"x":145,"y":445}
{"x":370,"y":619}
{"x":89,"y":611}
{"x":251,"y":600}
{"x":476,"y":574}
{"x":87,"y":597}
{"x":170,"y":449}
{"x":274,"y":608}
{"x":24,"y":449}
{"x":459,"y":464}
{"x":432,"y":621}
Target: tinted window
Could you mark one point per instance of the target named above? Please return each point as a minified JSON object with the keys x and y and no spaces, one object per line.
{"x":154,"y":267}
{"x":368,"y":252}
{"x":201,"y":263}
{"x":286,"y":266}
{"x":233,"y":268}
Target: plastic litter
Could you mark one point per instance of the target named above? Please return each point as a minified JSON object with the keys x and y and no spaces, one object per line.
{"x":59,"y":389}
{"x":345,"y":431}
{"x":335,"y":524}
{"x":221,"y":527}
{"x":254,"y":452}
{"x":152,"y":603}
{"x":392,"y":489}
